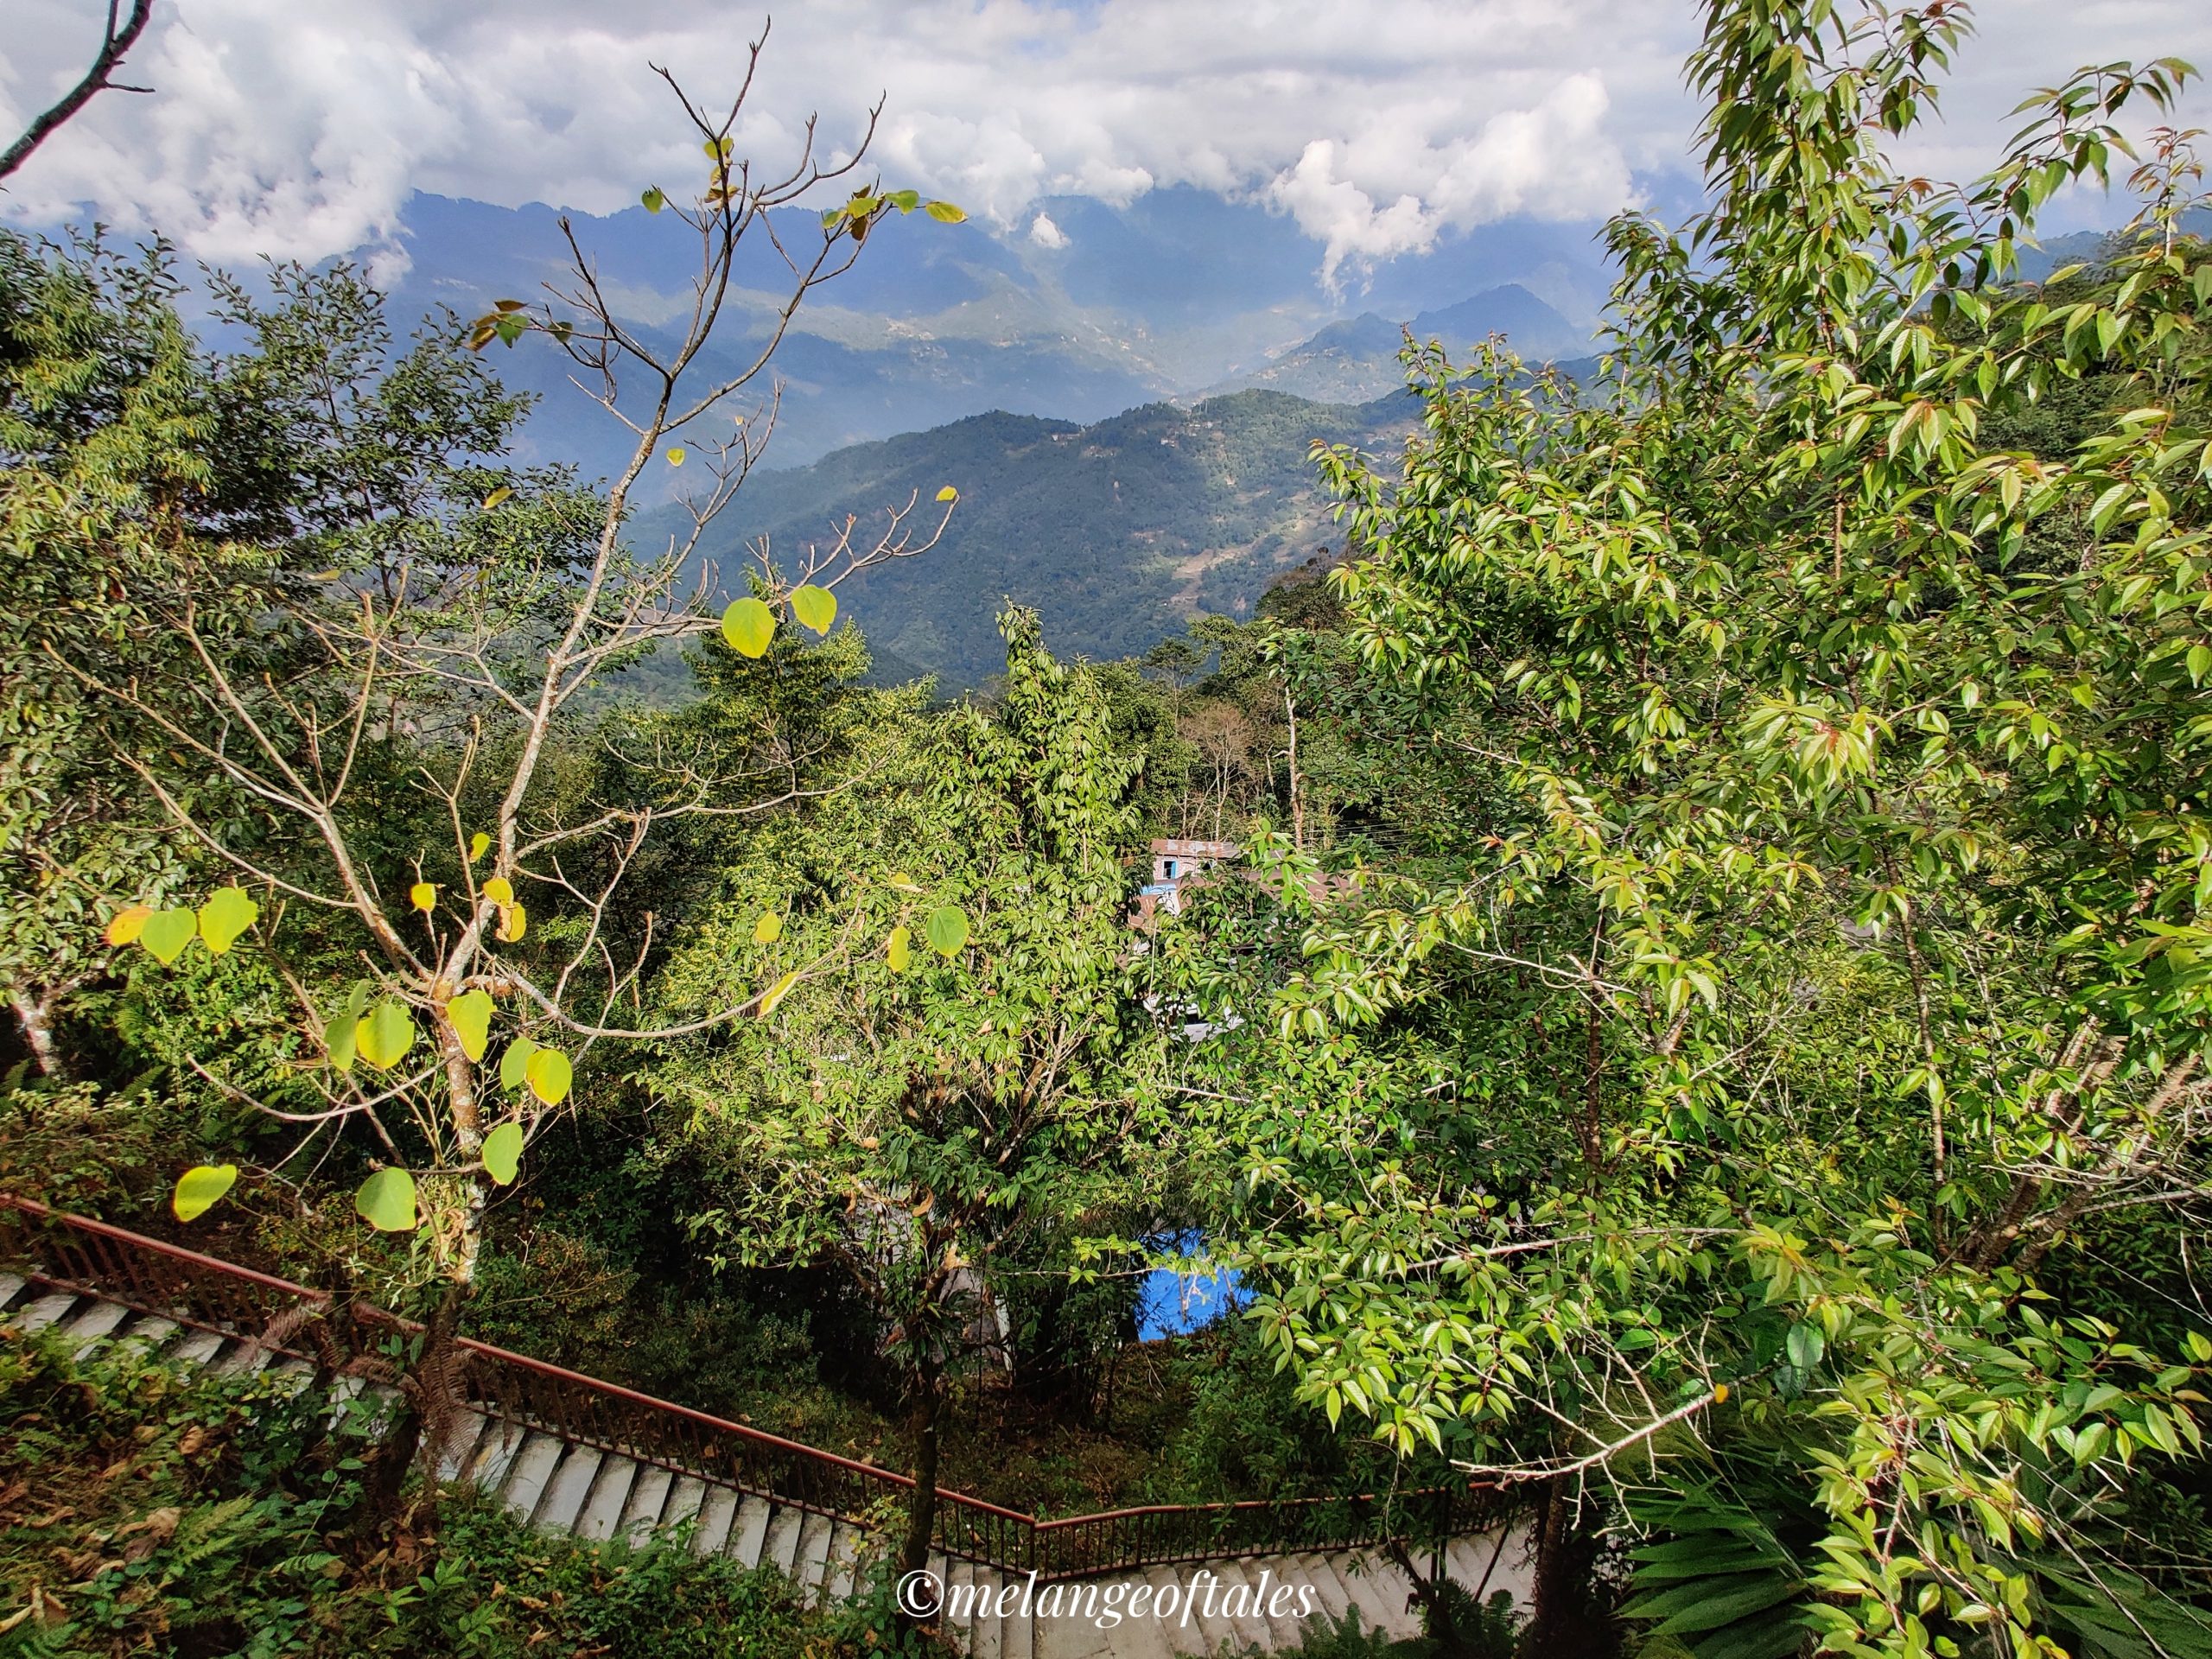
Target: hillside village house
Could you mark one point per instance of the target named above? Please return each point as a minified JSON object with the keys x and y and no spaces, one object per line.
{"x":1173,"y":863}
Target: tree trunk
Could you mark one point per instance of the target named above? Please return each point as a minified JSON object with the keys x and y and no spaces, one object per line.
{"x":1564,"y":1621}
{"x":34,"y":1014}
{"x":921,"y":1509}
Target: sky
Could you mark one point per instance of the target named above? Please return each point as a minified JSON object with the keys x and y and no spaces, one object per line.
{"x":301,"y":127}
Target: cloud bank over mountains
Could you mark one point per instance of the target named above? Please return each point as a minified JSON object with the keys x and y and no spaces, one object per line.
{"x":1377,"y":127}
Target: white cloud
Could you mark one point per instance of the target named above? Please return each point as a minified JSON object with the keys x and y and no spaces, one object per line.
{"x":1046,"y":234}
{"x":301,"y":128}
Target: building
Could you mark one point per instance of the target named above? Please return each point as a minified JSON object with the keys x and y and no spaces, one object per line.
{"x":1173,"y":863}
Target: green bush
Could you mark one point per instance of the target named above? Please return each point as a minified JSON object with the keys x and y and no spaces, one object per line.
{"x":144,"y":1509}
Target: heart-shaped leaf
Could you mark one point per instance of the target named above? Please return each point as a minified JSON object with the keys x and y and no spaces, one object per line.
{"x":384,"y":1038}
{"x":423,"y":896}
{"x":503,"y":1153}
{"x":946,"y":929}
{"x":676,"y":455}
{"x":514,"y":920}
{"x":903,"y":882}
{"x":126,"y":925}
{"x":775,"y":994}
{"x":653,"y":199}
{"x":768,"y":929}
{"x":471,"y":1014}
{"x":343,"y":1033}
{"x":548,"y":1073}
{"x":499,"y":890}
{"x":815,"y":606}
{"x":199,"y":1187}
{"x":948,"y":494}
{"x":748,"y":625}
{"x":900,"y":950}
{"x":479,"y":844}
{"x":386,"y":1201}
{"x":515,"y":1061}
{"x":166,"y":932}
{"x":227,"y":913}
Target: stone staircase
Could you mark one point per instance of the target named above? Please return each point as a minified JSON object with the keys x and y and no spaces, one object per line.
{"x":562,"y":1486}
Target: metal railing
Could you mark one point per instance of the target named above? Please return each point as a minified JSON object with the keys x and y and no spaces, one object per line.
{"x":76,"y":1253}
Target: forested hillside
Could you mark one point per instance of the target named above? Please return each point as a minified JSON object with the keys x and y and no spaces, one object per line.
{"x":1118,"y":532}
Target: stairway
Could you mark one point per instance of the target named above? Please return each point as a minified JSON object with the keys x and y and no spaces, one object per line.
{"x":561,"y":1486}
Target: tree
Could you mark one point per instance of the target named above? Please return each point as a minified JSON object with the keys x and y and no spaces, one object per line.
{"x":928,"y":1115}
{"x":443,"y":657}
{"x":1825,"y":969}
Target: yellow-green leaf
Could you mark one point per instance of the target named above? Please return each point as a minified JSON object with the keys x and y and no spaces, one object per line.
{"x":423,"y":895}
{"x":903,"y":882}
{"x":676,"y":455}
{"x":199,"y":1187}
{"x":948,"y":494}
{"x":166,"y":932}
{"x":124,"y":925}
{"x":775,"y":994}
{"x":342,"y":1035}
{"x":479,"y":844}
{"x":900,"y":950}
{"x":653,"y":199}
{"x":748,"y":625}
{"x":768,"y":929}
{"x":515,"y":1062}
{"x":499,"y":890}
{"x":503,"y":1153}
{"x":946,"y":929}
{"x":814,"y":606}
{"x":385,"y":1035}
{"x":497,"y":496}
{"x":386,"y":1201}
{"x":548,"y":1074}
{"x":471,"y":1014}
{"x":945,"y":213}
{"x":513,"y":921}
{"x":227,"y":913}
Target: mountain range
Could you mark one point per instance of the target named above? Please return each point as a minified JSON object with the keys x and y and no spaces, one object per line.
{"x":1117,"y":531}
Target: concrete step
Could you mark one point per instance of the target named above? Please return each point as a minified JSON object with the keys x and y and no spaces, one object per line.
{"x":780,"y":1548}
{"x":49,"y":1309}
{"x":600,"y":1518}
{"x":811,"y":1563}
{"x":531,"y":1472}
{"x":714,"y":1517}
{"x":648,"y":1496}
{"x":750,"y":1534}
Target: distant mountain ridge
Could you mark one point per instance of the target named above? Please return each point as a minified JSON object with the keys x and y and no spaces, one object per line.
{"x":1118,"y":531}
{"x":1356,"y":361}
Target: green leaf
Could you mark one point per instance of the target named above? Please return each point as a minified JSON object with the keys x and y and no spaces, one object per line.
{"x":549,"y":1073}
{"x":748,"y":625}
{"x":497,"y":496}
{"x":676,"y":454}
{"x":384,"y":1037}
{"x":946,"y":929}
{"x":945,"y":213}
{"x":653,"y":200}
{"x":227,"y":913}
{"x":386,"y":1201}
{"x":471,"y":1014}
{"x":515,"y":1062}
{"x":503,"y":1153}
{"x":167,"y":932}
{"x":775,"y":995}
{"x":342,"y":1035}
{"x":900,"y":950}
{"x":768,"y":929}
{"x":814,"y":606}
{"x":199,"y":1187}
{"x":1805,"y":1346}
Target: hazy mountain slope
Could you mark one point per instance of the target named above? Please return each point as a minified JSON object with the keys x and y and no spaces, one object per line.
{"x":1356,"y":361}
{"x":1116,"y":531}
